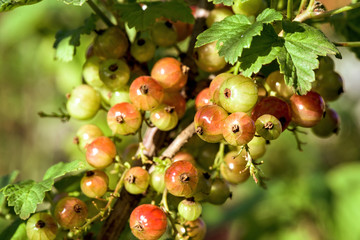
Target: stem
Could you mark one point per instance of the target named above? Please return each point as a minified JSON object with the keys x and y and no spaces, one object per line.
{"x":236,"y":68}
{"x":219,"y":156}
{"x":290,"y":9}
{"x":273,"y":4}
{"x":299,"y":143}
{"x":310,"y":7}
{"x":302,"y":5}
{"x":167,"y":211}
{"x":98,"y":12}
{"x":347,"y":44}
{"x":64,"y":117}
{"x":179,"y":141}
{"x":316,"y":15}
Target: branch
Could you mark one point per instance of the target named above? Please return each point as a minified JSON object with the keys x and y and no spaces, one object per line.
{"x":179,"y":141}
{"x":347,"y":44}
{"x":100,"y":13}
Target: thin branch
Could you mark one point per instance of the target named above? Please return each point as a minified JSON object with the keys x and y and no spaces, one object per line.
{"x":179,"y":141}
{"x":302,"y":5}
{"x":317,"y":15}
{"x":98,"y":12}
{"x":347,"y":44}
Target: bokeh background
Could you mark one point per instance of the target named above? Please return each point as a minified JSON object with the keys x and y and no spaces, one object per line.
{"x":313,"y":194}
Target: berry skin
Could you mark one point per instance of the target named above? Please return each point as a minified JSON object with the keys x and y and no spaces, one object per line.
{"x":238,"y":94}
{"x":113,"y":43}
{"x":70,"y":212}
{"x":257,"y":147}
{"x":217,"y":15}
{"x":148,"y":222}
{"x":181,"y":179}
{"x":101,"y":152}
{"x":115,"y":73}
{"x":207,"y":58}
{"x":124,"y":118}
{"x":232,"y":169}
{"x":163,"y":34}
{"x":86,"y":134}
{"x":171,"y":74}
{"x":41,"y":226}
{"x":83,"y":103}
{"x":307,"y":110}
{"x":184,"y":156}
{"x":219,"y":192}
{"x":194,"y":230}
{"x":183,"y":30}
{"x":277,"y":84}
{"x":203,"y":98}
{"x":164,"y":117}
{"x":143,"y":50}
{"x":248,"y":7}
{"x":238,"y":129}
{"x":329,"y":125}
{"x":175,"y":99}
{"x":189,"y":210}
{"x":137,"y":180}
{"x":268,"y":127}
{"x":215,"y":86}
{"x":329,"y":85}
{"x":120,"y":96}
{"x":90,"y":72}
{"x":157,"y":179}
{"x":146,"y":93}
{"x":273,"y":106}
{"x":94,"y":183}
{"x":209,"y":122}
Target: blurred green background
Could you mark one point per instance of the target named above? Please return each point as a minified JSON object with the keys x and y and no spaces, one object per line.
{"x":314,"y":194}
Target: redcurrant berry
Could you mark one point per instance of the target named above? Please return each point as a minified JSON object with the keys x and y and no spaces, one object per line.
{"x":137,"y":180}
{"x":70,"y":212}
{"x":238,"y":128}
{"x":94,"y":183}
{"x":101,"y":152}
{"x":124,"y":118}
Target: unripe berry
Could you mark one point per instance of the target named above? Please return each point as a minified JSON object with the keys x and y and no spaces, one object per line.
{"x":113,"y":43}
{"x":163,"y":34}
{"x":86,"y":134}
{"x":41,"y":226}
{"x":143,"y":50}
{"x":137,"y":180}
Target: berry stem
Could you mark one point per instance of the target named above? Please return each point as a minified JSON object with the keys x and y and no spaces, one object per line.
{"x":166,"y":209}
{"x":299,"y":143}
{"x":98,"y":12}
{"x":256,"y":173}
{"x":302,"y":5}
{"x":64,"y":117}
{"x":290,"y":9}
{"x":347,"y":44}
{"x":219,"y":157}
{"x":236,"y":68}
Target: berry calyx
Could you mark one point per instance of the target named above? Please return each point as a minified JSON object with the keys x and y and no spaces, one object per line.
{"x":268,"y":127}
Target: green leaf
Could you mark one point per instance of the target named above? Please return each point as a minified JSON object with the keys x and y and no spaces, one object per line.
{"x":303,"y":44}
{"x":74,"y":2}
{"x":235,"y":33}
{"x":263,"y":50}
{"x":135,"y":16}
{"x":225,"y":2}
{"x":66,"y":41}
{"x":6,"y":180}
{"x":26,"y":195}
{"x":7,"y":5}
{"x":12,"y":229}
{"x":20,"y":233}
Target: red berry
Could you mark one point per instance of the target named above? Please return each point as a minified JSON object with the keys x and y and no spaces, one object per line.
{"x":124,"y":118}
{"x":238,"y":128}
{"x":273,"y":106}
{"x":101,"y":152}
{"x":70,"y":212}
{"x":203,"y":98}
{"x":146,"y":93}
{"x":215,"y":86}
{"x":170,"y":73}
{"x":184,"y":156}
{"x":307,"y":110}
{"x":209,"y":122}
{"x":175,"y":99}
{"x":181,"y":178}
{"x":148,"y":222}
{"x":94,"y":183}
